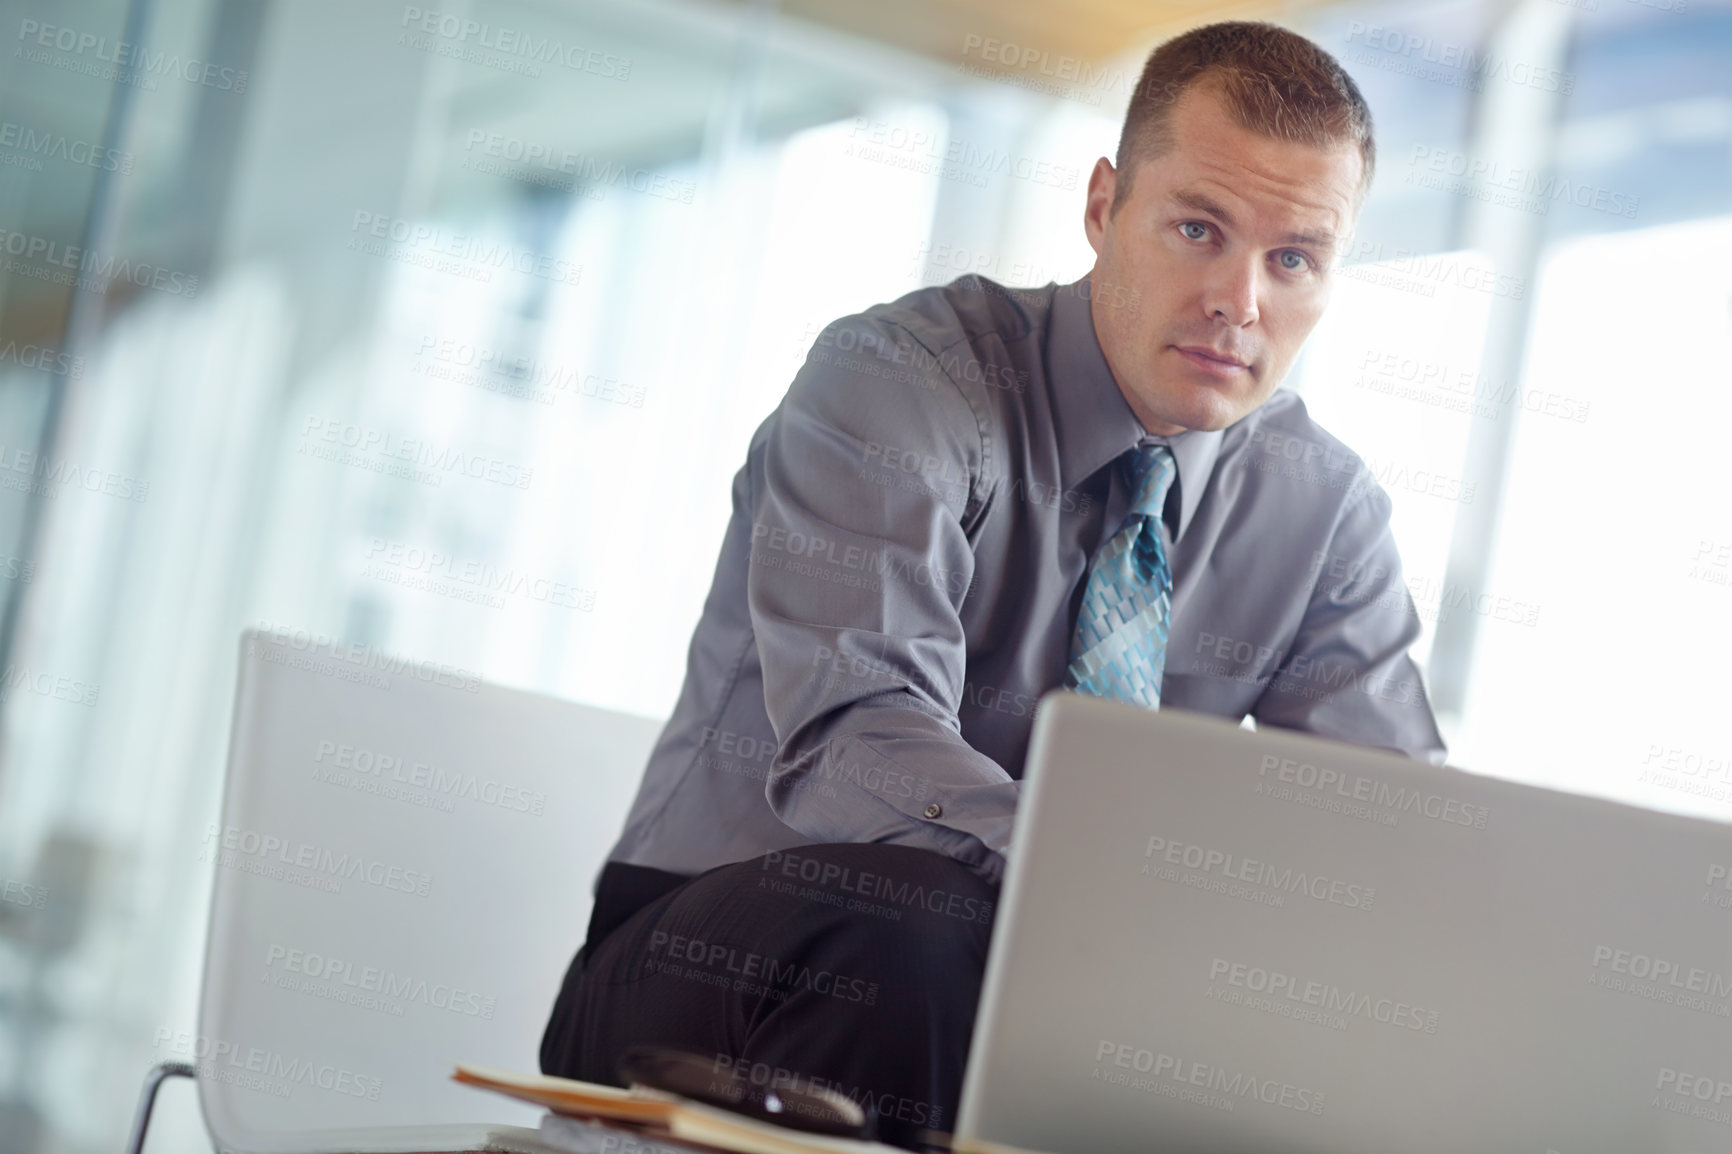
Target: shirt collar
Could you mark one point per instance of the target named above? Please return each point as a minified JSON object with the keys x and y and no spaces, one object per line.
{"x":1095,"y":423}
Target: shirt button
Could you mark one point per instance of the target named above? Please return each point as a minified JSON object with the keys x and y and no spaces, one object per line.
{"x":934,"y":810}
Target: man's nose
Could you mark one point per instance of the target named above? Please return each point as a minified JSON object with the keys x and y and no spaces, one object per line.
{"x":1232,"y":291}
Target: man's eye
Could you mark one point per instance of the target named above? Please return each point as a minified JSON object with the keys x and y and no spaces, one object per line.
{"x":1304,"y":261}
{"x":1193,"y":224}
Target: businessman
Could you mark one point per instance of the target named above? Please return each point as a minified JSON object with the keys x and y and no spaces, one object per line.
{"x":968,"y":497}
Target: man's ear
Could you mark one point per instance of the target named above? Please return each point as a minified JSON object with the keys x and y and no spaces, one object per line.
{"x":1103,"y":186}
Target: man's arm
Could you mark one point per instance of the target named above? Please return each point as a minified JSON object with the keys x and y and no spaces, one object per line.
{"x":859,"y":566}
{"x":1348,"y":675}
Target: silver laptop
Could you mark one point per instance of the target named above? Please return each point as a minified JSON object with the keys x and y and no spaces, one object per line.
{"x":1214,"y":940}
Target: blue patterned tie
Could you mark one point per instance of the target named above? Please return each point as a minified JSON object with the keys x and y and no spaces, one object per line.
{"x":1119,"y":649}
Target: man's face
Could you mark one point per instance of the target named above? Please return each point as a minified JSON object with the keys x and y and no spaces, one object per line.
{"x":1225,"y":246}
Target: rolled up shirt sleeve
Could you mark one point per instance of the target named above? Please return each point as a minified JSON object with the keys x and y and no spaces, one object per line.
{"x":1347,"y":674}
{"x":860,"y":563}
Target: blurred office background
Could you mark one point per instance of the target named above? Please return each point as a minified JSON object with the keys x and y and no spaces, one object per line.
{"x":441,"y":328}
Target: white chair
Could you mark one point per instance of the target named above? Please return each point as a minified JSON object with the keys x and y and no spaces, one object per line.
{"x":403,"y":873}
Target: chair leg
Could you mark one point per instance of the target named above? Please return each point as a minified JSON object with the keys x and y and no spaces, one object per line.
{"x":147,"y":1099}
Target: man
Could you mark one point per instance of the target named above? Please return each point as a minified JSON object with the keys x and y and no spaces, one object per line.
{"x":971,"y":496}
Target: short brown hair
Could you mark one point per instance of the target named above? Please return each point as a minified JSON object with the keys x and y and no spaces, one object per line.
{"x":1273,"y":82}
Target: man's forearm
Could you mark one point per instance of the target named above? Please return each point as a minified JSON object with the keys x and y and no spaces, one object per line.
{"x":886,"y":771}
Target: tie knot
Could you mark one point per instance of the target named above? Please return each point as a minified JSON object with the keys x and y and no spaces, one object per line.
{"x":1152,"y":473}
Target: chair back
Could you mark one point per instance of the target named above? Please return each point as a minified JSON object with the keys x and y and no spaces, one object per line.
{"x":403,"y":871}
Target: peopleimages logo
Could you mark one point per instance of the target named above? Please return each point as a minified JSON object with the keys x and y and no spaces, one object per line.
{"x":339,"y":979}
{"x":495,"y":44}
{"x":590,"y":173}
{"x":1683,"y":1092}
{"x":1025,"y":66}
{"x":1396,"y":372}
{"x":46,"y":259}
{"x":1689,"y":762}
{"x":1663,"y":980}
{"x":1321,"y":996}
{"x":1204,"y":862}
{"x":24,"y":894}
{"x":129,"y":63}
{"x":724,"y":966}
{"x":1542,"y":185}
{"x":1309,"y":676}
{"x":441,"y":782}
{"x":957,"y":363}
{"x":877,"y":887}
{"x":1409,"y":270}
{"x":33,"y":146}
{"x":320,"y":653}
{"x":1115,"y":1063}
{"x":941,"y":262}
{"x":1026,"y":56}
{"x":252,"y":851}
{"x":1663,"y":972}
{"x":476,"y":255}
{"x":327,"y":438}
{"x":516,"y":374}
{"x":27,"y":470}
{"x":467,"y":579}
{"x":821,"y":558}
{"x":258,"y":1068}
{"x":1475,"y":66}
{"x":70,"y":689}
{"x":1358,"y":787}
{"x":1719,"y":877}
{"x":763,"y":1079}
{"x":951,"y":158}
{"x":42,"y":358}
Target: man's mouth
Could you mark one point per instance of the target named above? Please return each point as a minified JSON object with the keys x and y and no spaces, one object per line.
{"x":1210,"y":360}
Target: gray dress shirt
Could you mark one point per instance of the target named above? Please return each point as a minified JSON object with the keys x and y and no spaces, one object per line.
{"x":899,"y":582}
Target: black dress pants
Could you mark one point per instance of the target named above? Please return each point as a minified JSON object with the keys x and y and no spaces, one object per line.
{"x":853,"y":968}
